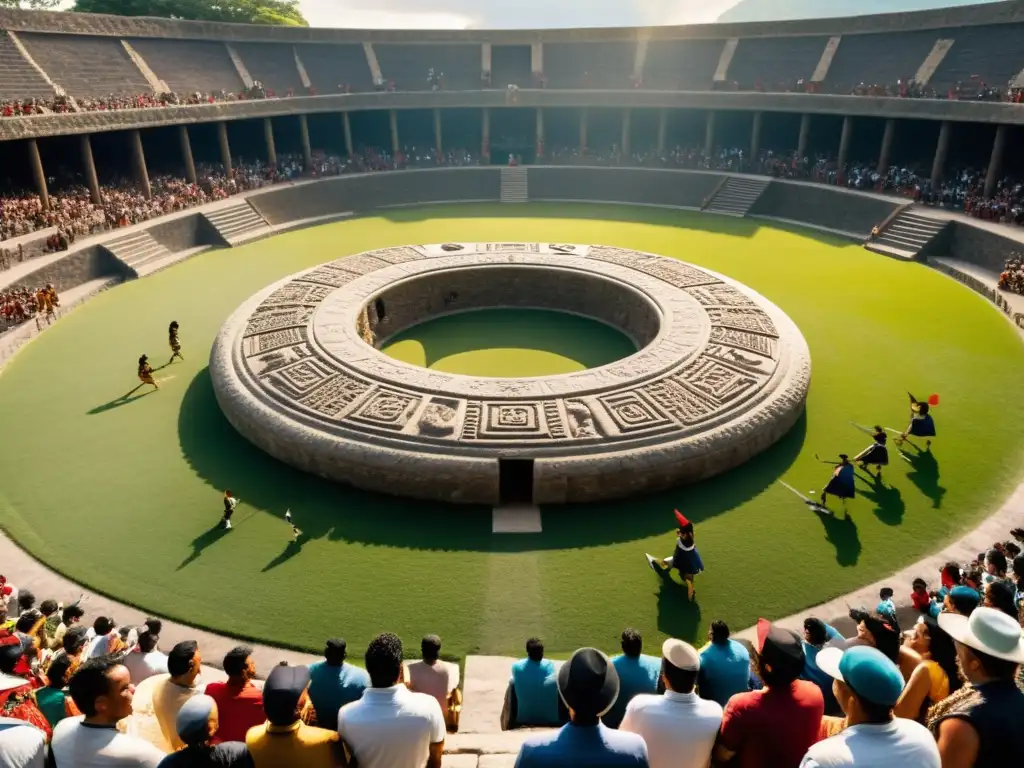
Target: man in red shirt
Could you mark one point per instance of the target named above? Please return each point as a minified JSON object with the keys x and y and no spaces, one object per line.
{"x":239,"y":702}
{"x":772,"y":728}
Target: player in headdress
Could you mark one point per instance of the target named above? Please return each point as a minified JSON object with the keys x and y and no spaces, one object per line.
{"x":230,"y":502}
{"x":841,"y":485}
{"x":146,"y":372}
{"x":921,"y":422}
{"x":295,"y":529}
{"x":685,"y":559}
{"x":172,"y":339}
{"x":876,"y":455}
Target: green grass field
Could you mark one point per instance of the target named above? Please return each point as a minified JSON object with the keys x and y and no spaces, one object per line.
{"x":123,"y":497}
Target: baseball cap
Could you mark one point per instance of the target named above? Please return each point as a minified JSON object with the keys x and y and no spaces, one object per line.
{"x":681,"y":655}
{"x":964,"y":599}
{"x":866,"y":671}
{"x":281,"y":693}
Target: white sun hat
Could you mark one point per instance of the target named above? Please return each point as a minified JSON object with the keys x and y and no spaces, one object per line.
{"x":987,"y":630}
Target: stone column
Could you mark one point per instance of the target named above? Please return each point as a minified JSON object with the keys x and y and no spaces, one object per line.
{"x":805,"y":132}
{"x":995,"y":161}
{"x":662,"y":126}
{"x":346,"y":126}
{"x":583,"y":130}
{"x":89,"y":164}
{"x":709,"y":134}
{"x":268,"y":136}
{"x":844,"y":145}
{"x":887,"y":139}
{"x":225,"y":147}
{"x":139,"y":161}
{"x":485,"y":135}
{"x":307,"y":149}
{"x":38,"y":174}
{"x":540,"y":132}
{"x":627,"y":126}
{"x":437,"y":131}
{"x":755,"y":137}
{"x":186,"y":154}
{"x":393,"y":119}
{"x":941,"y":150}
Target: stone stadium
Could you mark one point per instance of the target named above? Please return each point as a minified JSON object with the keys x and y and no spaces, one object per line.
{"x":480,"y":309}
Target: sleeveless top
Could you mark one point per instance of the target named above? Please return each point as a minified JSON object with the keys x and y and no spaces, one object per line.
{"x":995,"y":710}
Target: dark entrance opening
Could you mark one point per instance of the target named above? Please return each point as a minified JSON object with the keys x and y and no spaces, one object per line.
{"x":515,"y":481}
{"x":379,"y":309}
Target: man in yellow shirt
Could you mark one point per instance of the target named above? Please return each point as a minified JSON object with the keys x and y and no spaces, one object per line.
{"x":284,"y":740}
{"x":174,"y":689}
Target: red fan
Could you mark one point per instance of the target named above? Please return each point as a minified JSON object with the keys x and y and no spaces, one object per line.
{"x":933,"y":400}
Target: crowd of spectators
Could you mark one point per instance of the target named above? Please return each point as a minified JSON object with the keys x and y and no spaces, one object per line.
{"x":1012,"y":276}
{"x":19,"y":304}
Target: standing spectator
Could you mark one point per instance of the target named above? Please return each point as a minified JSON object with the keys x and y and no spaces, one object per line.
{"x":772,"y":728}
{"x":102,"y":691}
{"x":21,"y":745}
{"x":433,"y":676}
{"x":589,"y":685}
{"x":239,"y":701}
{"x":284,"y":740}
{"x":51,"y":699}
{"x":17,"y":698}
{"x":533,"y":690}
{"x":638,"y":673}
{"x":183,"y":666}
{"x":724,"y":666}
{"x":197,"y":723}
{"x":145,"y":661}
{"x":980,"y":725}
{"x":392,"y":726}
{"x":867,"y":686}
{"x":333,"y":683}
{"x":678,"y":727}
{"x":936,"y":677}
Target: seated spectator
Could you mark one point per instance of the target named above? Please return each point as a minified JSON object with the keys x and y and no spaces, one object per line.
{"x":333,"y":683}
{"x":919,"y":597}
{"x":678,"y":727}
{"x":724,"y":666}
{"x":51,"y":614}
{"x":239,"y":702}
{"x":638,"y":673}
{"x":436,"y":678}
{"x":936,"y":676}
{"x":21,"y":745}
{"x":819,"y":635}
{"x":980,"y":725}
{"x":886,"y":607}
{"x":70,"y":616}
{"x":1018,"y":577}
{"x":532,"y":698}
{"x":391,"y":725}
{"x":867,"y":686}
{"x":589,"y":685}
{"x":772,"y":728}
{"x":169,"y":693}
{"x":284,"y":740}
{"x":962,"y":600}
{"x":17,"y":699}
{"x":197,"y":723}
{"x":145,"y":661}
{"x":1001,"y":595}
{"x":875,"y":630}
{"x":105,"y":638}
{"x":995,"y":567}
{"x":101,"y":689}
{"x":52,"y":699}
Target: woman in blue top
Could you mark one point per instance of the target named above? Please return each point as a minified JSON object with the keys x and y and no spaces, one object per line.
{"x":921,"y":422}
{"x":842,"y":483}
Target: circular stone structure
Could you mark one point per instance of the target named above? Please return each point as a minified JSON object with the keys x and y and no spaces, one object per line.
{"x":719,"y":375}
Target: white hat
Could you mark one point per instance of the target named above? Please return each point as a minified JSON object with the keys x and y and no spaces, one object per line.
{"x":987,"y":630}
{"x":681,"y":655}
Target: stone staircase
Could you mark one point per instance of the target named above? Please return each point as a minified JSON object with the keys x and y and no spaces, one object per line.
{"x":237,"y":222}
{"x":736,"y":196}
{"x":514,"y":184}
{"x":137,"y":250}
{"x":906,"y":235}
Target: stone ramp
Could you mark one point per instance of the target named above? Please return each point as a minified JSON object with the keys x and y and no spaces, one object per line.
{"x":737,"y":196}
{"x":238,"y":222}
{"x":137,"y":250}
{"x":906,"y":235}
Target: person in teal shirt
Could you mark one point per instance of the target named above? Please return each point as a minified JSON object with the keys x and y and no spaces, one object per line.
{"x":535,"y":688}
{"x":51,"y":699}
{"x":724,"y":666}
{"x":333,"y":683}
{"x":638,"y":673}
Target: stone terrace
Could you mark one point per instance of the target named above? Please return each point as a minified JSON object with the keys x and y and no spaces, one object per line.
{"x":273,"y":65}
{"x":190,"y":65}
{"x":408,"y":65}
{"x":995,"y":53}
{"x":880,"y":59}
{"x":775,"y":60}
{"x":329,"y":66}
{"x":589,"y":65}
{"x":681,"y":65}
{"x":87,"y":66}
{"x":510,"y":65}
{"x":18,"y":78}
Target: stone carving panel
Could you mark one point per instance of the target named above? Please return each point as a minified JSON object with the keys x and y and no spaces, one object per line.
{"x":299,"y":379}
{"x":272,"y":318}
{"x":514,"y":420}
{"x":720,"y":294}
{"x":335,"y":396}
{"x":753,"y":320}
{"x":387,"y":408}
{"x":297,"y":293}
{"x":272,"y":340}
{"x":632,"y":412}
{"x":671,"y":271}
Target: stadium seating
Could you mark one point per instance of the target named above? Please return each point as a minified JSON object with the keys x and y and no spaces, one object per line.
{"x":510,"y":65}
{"x":188,"y":66}
{"x":273,"y":65}
{"x":86,"y":66}
{"x":589,"y":65}
{"x":18,"y":78}
{"x":993,"y":53}
{"x":329,"y":66}
{"x":881,"y":59}
{"x":686,"y":65}
{"x":775,"y":61}
{"x":408,"y":65}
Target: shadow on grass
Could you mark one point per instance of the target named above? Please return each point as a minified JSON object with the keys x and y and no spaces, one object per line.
{"x":677,"y":616}
{"x":202,"y":542}
{"x":888,"y":501}
{"x":126,"y":399}
{"x":924,"y":473}
{"x":324,"y":509}
{"x":841,"y":533}
{"x":291,"y":550}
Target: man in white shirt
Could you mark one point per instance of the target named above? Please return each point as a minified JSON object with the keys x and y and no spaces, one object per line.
{"x":102,"y":691}
{"x":21,"y":745}
{"x":145,"y":660}
{"x":679,"y":727}
{"x":867,"y":686}
{"x":390,"y":725}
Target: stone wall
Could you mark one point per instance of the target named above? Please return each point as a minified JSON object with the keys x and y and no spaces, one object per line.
{"x":678,"y":189}
{"x":185,"y":232}
{"x":822,"y":206}
{"x":979,"y":246}
{"x":79,"y":266}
